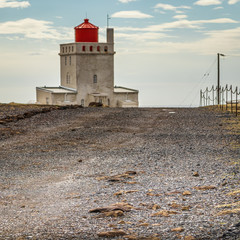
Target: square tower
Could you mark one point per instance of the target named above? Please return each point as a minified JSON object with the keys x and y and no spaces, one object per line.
{"x":88,"y":67}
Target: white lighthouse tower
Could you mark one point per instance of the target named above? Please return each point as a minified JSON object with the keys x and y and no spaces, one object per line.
{"x":87,"y":73}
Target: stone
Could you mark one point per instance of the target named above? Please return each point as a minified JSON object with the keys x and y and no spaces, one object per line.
{"x":204,"y":188}
{"x":125,"y":207}
{"x":230,"y":211}
{"x":175,"y":205}
{"x":234,"y":193}
{"x":117,"y":213}
{"x":131,"y":191}
{"x":187,"y":193}
{"x":189,"y":238}
{"x":164,"y":213}
{"x":143,"y":225}
{"x":155,"y":207}
{"x":196,"y":174}
{"x":179,"y":229}
{"x":121,"y":222}
{"x":186,"y":208}
{"x":131,"y":172}
{"x":114,"y":233}
{"x":118,"y":193}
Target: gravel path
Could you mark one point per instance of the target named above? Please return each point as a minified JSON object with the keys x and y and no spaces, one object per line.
{"x":176,"y":170}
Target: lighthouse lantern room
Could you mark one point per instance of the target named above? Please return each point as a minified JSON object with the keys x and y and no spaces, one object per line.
{"x":86,"y":32}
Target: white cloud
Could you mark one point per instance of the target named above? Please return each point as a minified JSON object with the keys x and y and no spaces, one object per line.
{"x":182,"y":23}
{"x":171,"y":7}
{"x":208,"y":2}
{"x":141,"y":37}
{"x":233,"y":1}
{"x":13,"y":4}
{"x":155,"y":38}
{"x":197,"y":24}
{"x":180,"y":16}
{"x":126,"y":1}
{"x":130,"y":14}
{"x":209,"y":44}
{"x":36,"y":29}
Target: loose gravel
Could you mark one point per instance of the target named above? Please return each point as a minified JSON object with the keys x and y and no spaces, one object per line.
{"x":57,"y":166}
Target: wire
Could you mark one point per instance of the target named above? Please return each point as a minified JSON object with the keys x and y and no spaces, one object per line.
{"x":200,"y":82}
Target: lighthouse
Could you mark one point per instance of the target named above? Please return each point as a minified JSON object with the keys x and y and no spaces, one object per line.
{"x":87,"y":72}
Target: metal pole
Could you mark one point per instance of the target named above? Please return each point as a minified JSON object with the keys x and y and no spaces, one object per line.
{"x":226,"y":97}
{"x":213,"y":94}
{"x":218,"y":78}
{"x":201,"y":98}
{"x":207,"y":97}
{"x":222,"y":97}
{"x":236,"y":101}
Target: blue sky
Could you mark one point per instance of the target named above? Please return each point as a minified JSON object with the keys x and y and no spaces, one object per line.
{"x":166,"y":49}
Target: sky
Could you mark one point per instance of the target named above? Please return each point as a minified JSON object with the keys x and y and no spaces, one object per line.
{"x":167,"y":49}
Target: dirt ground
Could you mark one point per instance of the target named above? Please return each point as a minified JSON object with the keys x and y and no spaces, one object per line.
{"x":173,"y":172}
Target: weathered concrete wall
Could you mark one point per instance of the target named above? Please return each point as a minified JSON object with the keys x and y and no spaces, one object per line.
{"x":46,"y":97}
{"x":118,"y":97}
{"x":43,"y":97}
{"x":63,"y":98}
{"x":89,"y":68}
{"x":100,"y":66}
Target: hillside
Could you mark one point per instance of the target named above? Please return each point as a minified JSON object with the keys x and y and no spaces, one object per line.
{"x":173,"y":172}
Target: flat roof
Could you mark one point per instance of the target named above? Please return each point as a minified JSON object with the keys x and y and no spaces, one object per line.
{"x":57,"y":89}
{"x":124,"y":90}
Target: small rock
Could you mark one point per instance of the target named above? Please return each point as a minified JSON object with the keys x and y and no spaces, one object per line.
{"x":155,"y":207}
{"x":186,"y":193}
{"x":205,"y":188}
{"x":118,"y":193}
{"x":164,"y":213}
{"x":114,"y":233}
{"x":117,"y":213}
{"x":121,"y":222}
{"x":186,"y":208}
{"x":143,"y":225}
{"x":189,"y":238}
{"x":196,"y":174}
{"x":179,"y":229}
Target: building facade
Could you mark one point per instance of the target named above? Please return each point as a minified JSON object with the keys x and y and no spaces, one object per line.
{"x":87,"y":73}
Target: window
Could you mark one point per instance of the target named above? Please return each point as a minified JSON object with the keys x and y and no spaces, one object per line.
{"x":68,"y":78}
{"x":98,"y":48}
{"x":63,"y":49}
{"x":70,"y":60}
{"x":105,"y":49}
{"x":91,"y":48}
{"x":72,"y":48}
{"x":83,"y":48}
{"x":65,"y":60}
{"x":108,"y":102}
{"x":82,"y":102}
{"x":95,"y":78}
{"x":66,"y":49}
{"x":69,"y":49}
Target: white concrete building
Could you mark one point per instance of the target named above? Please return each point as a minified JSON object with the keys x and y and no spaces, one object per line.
{"x":87,"y":73}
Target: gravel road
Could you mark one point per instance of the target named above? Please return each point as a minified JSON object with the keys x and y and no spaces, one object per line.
{"x":175,"y":172}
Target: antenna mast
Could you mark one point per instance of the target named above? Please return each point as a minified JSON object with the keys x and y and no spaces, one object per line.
{"x":108,"y":18}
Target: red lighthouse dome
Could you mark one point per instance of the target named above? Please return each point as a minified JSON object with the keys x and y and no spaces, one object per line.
{"x":86,"y":32}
